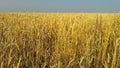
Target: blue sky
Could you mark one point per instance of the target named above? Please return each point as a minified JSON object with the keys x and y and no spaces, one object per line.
{"x":61,"y":5}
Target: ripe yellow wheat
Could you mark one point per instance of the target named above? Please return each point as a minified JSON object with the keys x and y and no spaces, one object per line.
{"x":59,"y":40}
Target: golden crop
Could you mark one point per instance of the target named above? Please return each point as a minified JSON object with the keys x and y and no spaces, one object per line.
{"x":59,"y":40}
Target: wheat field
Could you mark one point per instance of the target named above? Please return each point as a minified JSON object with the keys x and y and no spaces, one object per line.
{"x":59,"y":40}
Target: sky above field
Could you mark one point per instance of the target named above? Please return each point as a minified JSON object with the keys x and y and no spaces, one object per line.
{"x":61,"y":5}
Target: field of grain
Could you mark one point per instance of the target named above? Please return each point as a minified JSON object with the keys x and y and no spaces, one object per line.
{"x":59,"y":40}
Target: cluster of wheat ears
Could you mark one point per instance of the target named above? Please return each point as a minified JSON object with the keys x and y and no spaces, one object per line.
{"x":59,"y":40}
